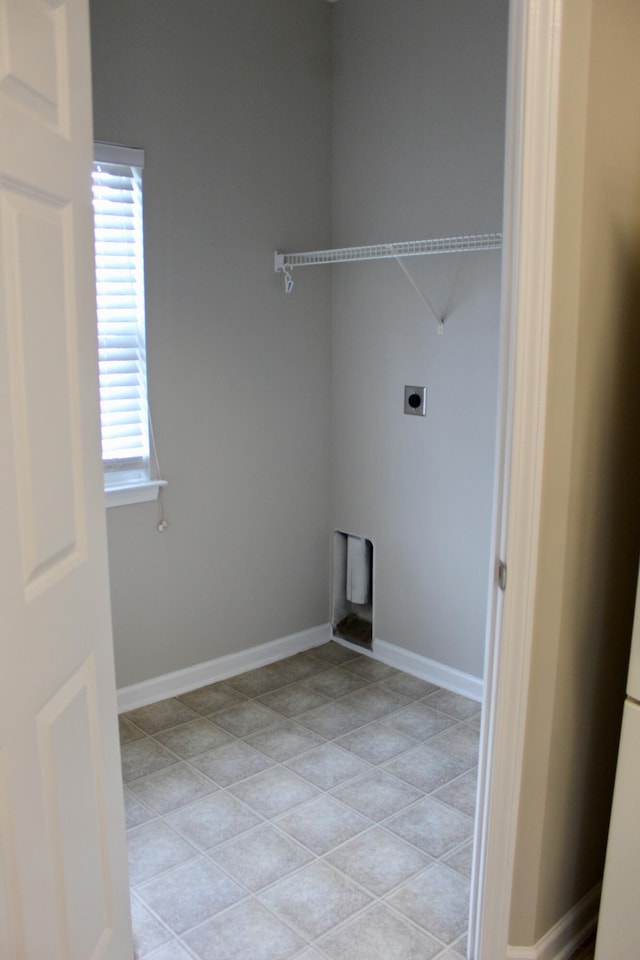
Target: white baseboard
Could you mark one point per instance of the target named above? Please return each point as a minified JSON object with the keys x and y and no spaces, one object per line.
{"x":439,"y":673}
{"x":199,"y":675}
{"x":220,"y":668}
{"x":566,"y":935}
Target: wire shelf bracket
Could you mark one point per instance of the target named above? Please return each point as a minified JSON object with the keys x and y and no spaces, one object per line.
{"x":285,"y":262}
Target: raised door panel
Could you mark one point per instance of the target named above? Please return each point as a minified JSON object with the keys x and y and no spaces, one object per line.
{"x":70,"y":756}
{"x":37,"y":83}
{"x":38,"y":253}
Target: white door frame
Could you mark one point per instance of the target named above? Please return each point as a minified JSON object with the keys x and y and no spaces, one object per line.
{"x":529,"y":201}
{"x":535,"y":32}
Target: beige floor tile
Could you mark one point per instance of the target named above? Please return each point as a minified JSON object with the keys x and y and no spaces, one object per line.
{"x":135,"y":811}
{"x":332,"y":719}
{"x":379,"y":934}
{"x":128,"y":731}
{"x":148,"y":932}
{"x":190,"y":894}
{"x":409,"y":686}
{"x":274,"y":791}
{"x":376,"y":742}
{"x":211,"y":821}
{"x":370,"y":669}
{"x":335,"y":682}
{"x":172,"y":788}
{"x":234,"y":761}
{"x":378,"y":860}
{"x":461,"y":793}
{"x":244,"y":932}
{"x":245,"y":718}
{"x":272,"y":862}
{"x":190,"y":739}
{"x":431,"y":826}
{"x":160,"y":716}
{"x":437,"y":900}
{"x":260,"y":857}
{"x":377,"y":795}
{"x":452,"y":954}
{"x":461,"y":742}
{"x":154,"y":847}
{"x":292,"y":700}
{"x":284,"y":740}
{"x":298,"y":667}
{"x":211,"y":699}
{"x":323,"y":824}
{"x":374,"y":701}
{"x":461,"y":946}
{"x":453,"y":704}
{"x":461,"y":859}
{"x":418,"y":721}
{"x":142,"y":757}
{"x":170,"y":951}
{"x":334,"y":653}
{"x":253,"y":683}
{"x":315,"y":899}
{"x":328,"y":766}
{"x":426,"y":768}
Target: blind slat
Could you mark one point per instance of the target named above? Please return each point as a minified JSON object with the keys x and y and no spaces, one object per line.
{"x":117,"y":202}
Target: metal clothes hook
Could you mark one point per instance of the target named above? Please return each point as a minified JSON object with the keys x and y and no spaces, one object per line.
{"x":288,"y":279}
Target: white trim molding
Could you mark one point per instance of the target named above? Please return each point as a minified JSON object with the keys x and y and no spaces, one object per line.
{"x":220,"y":668}
{"x":127,"y":493}
{"x":530,"y":166}
{"x":419,"y":666}
{"x":566,"y":935}
{"x":231,"y":664}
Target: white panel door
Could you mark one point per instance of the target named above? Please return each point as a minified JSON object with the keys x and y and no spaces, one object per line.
{"x":63,"y":881}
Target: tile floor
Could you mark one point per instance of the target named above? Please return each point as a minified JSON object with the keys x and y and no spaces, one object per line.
{"x":319,"y":808}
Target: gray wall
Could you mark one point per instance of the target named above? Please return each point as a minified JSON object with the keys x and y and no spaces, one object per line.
{"x":419,"y":102}
{"x":231,"y":102}
{"x":233,"y":105}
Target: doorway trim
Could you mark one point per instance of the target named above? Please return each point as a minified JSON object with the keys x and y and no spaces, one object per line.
{"x":535,"y":31}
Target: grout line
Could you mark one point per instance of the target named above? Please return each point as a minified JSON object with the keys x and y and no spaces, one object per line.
{"x":274,"y":821}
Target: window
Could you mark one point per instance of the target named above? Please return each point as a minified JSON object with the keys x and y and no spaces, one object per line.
{"x":127,"y":446}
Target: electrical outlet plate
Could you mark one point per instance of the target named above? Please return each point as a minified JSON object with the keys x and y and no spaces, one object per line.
{"x":415,"y":401}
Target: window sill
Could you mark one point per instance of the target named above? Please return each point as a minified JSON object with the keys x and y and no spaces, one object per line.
{"x":127,"y":493}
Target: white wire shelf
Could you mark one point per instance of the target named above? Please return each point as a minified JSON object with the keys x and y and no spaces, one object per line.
{"x":389,"y":251}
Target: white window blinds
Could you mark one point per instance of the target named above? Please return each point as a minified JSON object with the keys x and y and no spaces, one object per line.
{"x":117,"y":202}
